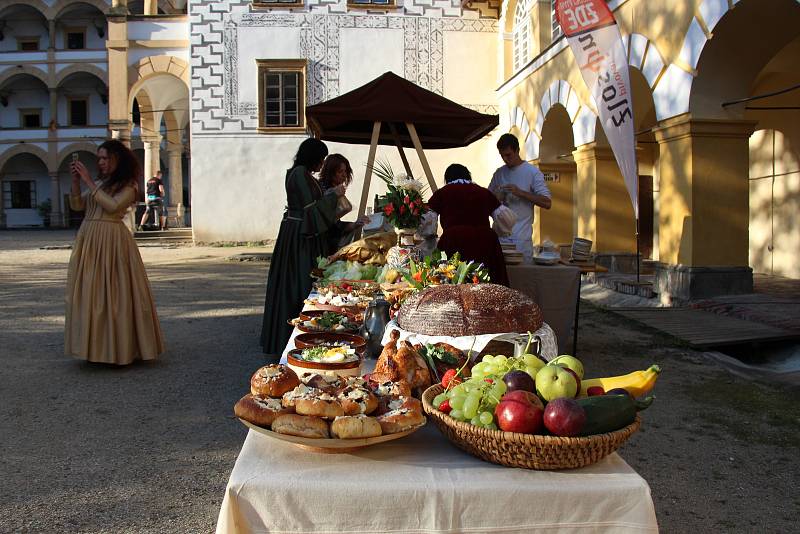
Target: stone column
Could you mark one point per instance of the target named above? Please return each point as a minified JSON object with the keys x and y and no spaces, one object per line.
{"x":56,"y":216}
{"x":704,"y":212}
{"x":152,"y":156}
{"x":603,"y":208}
{"x":54,"y":106}
{"x":557,"y":223}
{"x":2,"y":205}
{"x":175,"y":179}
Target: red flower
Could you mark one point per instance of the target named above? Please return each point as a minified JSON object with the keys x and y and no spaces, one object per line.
{"x":474,"y":279}
{"x":388,"y":209}
{"x":411,"y":206}
{"x":416,"y":211}
{"x":406,"y":200}
{"x":402,"y":209}
{"x":417,"y":276}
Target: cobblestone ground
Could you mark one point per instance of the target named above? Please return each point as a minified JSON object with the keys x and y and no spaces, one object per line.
{"x":149,"y":447}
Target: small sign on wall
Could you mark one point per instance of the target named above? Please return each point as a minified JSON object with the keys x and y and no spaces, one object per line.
{"x":553,"y":177}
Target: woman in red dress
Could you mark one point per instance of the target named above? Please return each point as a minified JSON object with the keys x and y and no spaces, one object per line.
{"x":464,"y":209}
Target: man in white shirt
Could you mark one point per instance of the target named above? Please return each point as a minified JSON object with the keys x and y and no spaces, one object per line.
{"x":520,"y":186}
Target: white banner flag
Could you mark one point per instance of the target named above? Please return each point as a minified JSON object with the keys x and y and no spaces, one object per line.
{"x":594,"y":38}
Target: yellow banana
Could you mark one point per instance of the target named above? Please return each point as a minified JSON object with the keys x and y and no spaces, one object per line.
{"x":637,"y":383}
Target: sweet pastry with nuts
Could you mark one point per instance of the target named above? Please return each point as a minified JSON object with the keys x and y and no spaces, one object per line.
{"x":273,"y":381}
{"x":357,"y":400}
{"x":258,"y":410}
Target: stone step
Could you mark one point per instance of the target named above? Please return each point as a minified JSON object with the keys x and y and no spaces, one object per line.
{"x":182,"y":233}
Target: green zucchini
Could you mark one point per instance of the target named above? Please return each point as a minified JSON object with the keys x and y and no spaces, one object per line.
{"x":607,"y":413}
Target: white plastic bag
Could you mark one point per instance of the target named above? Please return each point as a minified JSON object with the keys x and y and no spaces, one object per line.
{"x":504,"y":220}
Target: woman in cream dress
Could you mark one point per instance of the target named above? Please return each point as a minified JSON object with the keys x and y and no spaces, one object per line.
{"x":110,"y":313}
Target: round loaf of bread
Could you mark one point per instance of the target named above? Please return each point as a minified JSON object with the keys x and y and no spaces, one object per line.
{"x":357,"y":400}
{"x":323,"y":406}
{"x":304,"y":426}
{"x":260,"y":411}
{"x":469,"y":310}
{"x":354,"y":427}
{"x":273,"y":381}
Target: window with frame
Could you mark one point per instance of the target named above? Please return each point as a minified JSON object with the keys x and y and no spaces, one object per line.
{"x":75,"y":38}
{"x":370,"y":3}
{"x":522,"y":34}
{"x":554,"y":21}
{"x":277,"y":3}
{"x":77,"y":111}
{"x":30,"y":118}
{"x":281,"y":94}
{"x":19,"y":195}
{"x":27,"y":44}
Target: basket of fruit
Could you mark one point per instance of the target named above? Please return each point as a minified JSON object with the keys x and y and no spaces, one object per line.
{"x":521,"y":412}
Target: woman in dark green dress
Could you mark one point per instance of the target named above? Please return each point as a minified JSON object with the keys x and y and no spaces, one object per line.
{"x":309,"y":215}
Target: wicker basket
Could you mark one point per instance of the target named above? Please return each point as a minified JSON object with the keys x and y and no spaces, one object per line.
{"x":525,"y":450}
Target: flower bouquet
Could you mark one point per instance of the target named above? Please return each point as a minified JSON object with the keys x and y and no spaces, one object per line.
{"x":402,"y":205}
{"x":437,"y":269}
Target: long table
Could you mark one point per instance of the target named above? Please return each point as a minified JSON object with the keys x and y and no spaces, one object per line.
{"x":556,"y":288}
{"x":423,"y":484}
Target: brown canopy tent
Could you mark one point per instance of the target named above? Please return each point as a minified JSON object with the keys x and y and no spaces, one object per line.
{"x":415,"y":117}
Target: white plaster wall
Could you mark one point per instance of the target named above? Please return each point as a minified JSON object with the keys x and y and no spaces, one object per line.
{"x":467,"y":74}
{"x":254,"y":43}
{"x":243,"y":200}
{"x":144,"y":30}
{"x":366,"y":54}
{"x":98,"y":112}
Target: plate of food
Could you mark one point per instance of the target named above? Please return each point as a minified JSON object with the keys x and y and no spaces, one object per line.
{"x":339,"y":301}
{"x":305,"y":341}
{"x":336,"y":359}
{"x":333,"y":414}
{"x":312,"y":321}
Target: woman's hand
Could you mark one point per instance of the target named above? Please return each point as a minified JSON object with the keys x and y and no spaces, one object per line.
{"x":80,"y":169}
{"x":339,"y":190}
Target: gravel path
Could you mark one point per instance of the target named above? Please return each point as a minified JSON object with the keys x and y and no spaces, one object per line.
{"x":149,"y":447}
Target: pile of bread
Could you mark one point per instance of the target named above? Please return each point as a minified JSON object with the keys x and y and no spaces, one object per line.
{"x":317,"y":406}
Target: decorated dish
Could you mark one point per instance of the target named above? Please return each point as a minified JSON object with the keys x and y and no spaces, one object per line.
{"x":339,"y":360}
{"x":325,"y":321}
{"x":304,"y":341}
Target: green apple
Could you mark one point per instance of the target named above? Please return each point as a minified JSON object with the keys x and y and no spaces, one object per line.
{"x":565,"y":360}
{"x":554,"y":382}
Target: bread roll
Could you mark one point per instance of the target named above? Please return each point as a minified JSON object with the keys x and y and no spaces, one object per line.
{"x":273,"y":381}
{"x":354,"y":427}
{"x":303,"y":426}
{"x":357,"y":400}
{"x":400,"y":420}
{"x":469,"y":310}
{"x":323,"y":405}
{"x":260,"y":411}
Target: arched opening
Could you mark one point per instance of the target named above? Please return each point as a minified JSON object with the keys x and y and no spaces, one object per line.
{"x":26,"y":188}
{"x":731,"y":71}
{"x":644,"y":115}
{"x":556,"y":162}
{"x":159,"y":111}
{"x":82,"y":101}
{"x":24,"y":103}
{"x":81,"y":26}
{"x":25,"y":29}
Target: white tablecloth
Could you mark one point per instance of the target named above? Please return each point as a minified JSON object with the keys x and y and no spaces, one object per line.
{"x":422,"y":483}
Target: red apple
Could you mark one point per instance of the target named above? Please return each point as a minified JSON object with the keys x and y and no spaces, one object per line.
{"x":577,"y":380}
{"x":519,"y":416}
{"x":523,"y":396}
{"x":564,"y":417}
{"x":593,"y":391}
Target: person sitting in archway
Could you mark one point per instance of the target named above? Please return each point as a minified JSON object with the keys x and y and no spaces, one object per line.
{"x":464,"y":209}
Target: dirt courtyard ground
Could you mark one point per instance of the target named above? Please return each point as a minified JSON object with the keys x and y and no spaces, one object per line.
{"x":149,"y":447}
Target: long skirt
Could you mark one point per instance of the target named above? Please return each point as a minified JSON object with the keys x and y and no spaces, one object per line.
{"x":110,"y":313}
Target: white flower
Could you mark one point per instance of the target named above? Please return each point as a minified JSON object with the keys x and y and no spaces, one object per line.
{"x":404,"y":181}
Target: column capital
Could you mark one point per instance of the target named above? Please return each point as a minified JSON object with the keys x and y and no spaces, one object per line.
{"x":591,"y":152}
{"x":685,"y":125}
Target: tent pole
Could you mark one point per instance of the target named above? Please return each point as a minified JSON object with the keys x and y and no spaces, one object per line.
{"x":396,"y":137}
{"x":637,"y":251}
{"x":415,"y":139}
{"x":373,"y":146}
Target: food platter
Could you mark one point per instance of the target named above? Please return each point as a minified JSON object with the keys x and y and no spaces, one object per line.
{"x":330,"y":446}
{"x":309,"y":340}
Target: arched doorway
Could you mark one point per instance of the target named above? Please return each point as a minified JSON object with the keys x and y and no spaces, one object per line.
{"x":86,"y":154}
{"x":758,"y":214}
{"x":159,"y":111}
{"x":558,"y":166}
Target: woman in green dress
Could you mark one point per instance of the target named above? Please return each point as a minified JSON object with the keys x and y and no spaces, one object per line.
{"x":310,"y":213}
